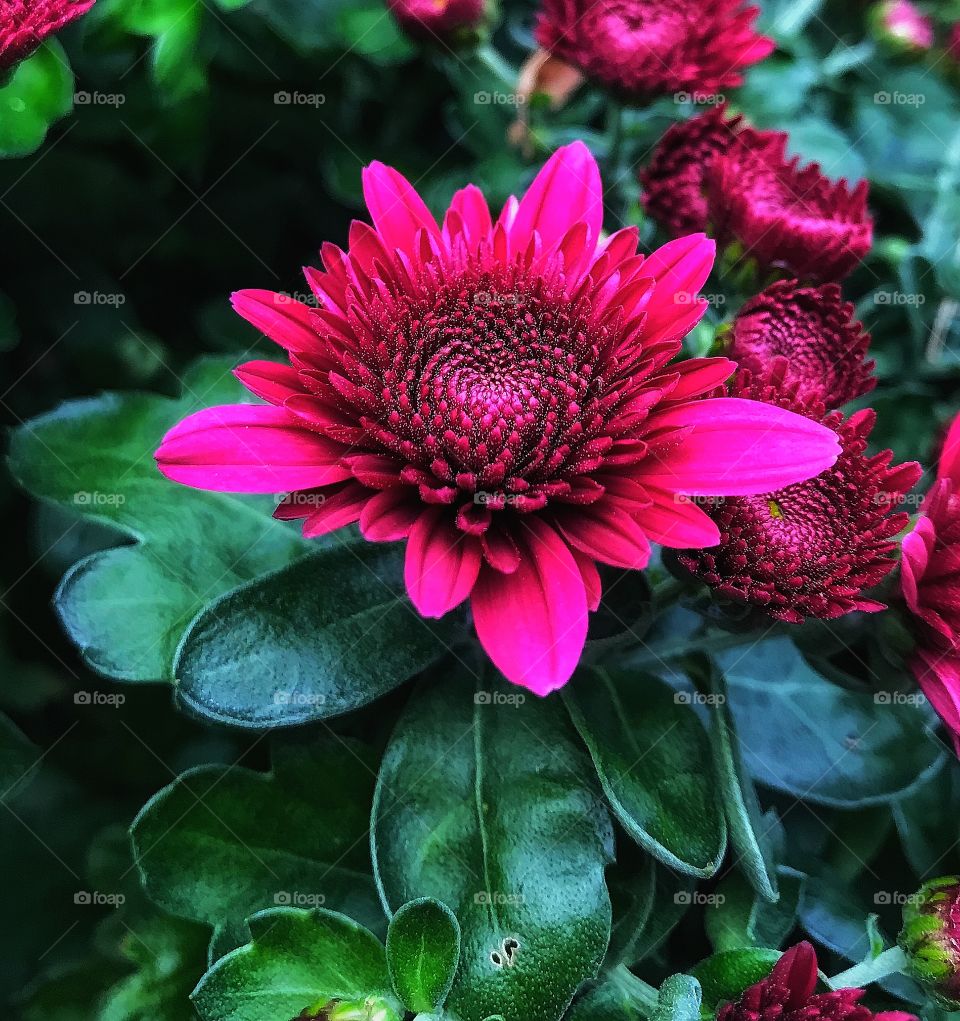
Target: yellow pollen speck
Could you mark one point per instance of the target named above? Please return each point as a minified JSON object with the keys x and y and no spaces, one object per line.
{"x":775,"y":510}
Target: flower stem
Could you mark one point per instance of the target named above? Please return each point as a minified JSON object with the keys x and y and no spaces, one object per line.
{"x":890,"y":962}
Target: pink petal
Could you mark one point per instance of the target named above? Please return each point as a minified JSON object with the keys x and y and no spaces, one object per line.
{"x":441,"y":563}
{"x":566,"y":191}
{"x":699,"y":376}
{"x":474,"y":213}
{"x":736,"y":447}
{"x":271,"y":381}
{"x":279,"y":317}
{"x":916,"y":548}
{"x":591,"y":579}
{"x":398,"y":211}
{"x":680,"y":268}
{"x":605,"y":533}
{"x":389,"y":515}
{"x":674,"y":520}
{"x":248,"y":448}
{"x":533,"y":623}
{"x":949,"y":467}
{"x":797,"y":970}
{"x":938,"y":674}
{"x":336,"y":511}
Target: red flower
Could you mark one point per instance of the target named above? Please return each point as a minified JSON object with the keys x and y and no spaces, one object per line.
{"x":498,"y":394}
{"x":24,"y":24}
{"x":674,"y":182}
{"x":930,"y":583}
{"x":810,"y":549}
{"x":438,"y":19}
{"x":814,"y":328}
{"x":644,"y":48}
{"x":787,"y":994}
{"x":787,"y":217}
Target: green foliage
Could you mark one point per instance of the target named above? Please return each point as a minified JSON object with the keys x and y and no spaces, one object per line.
{"x":423,"y":950}
{"x":39,"y":92}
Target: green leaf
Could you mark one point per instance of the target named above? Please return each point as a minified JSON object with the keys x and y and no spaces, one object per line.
{"x":484,"y":802}
{"x":653,"y":908}
{"x":653,"y":759}
{"x":294,"y":960}
{"x":321,"y":637}
{"x":423,"y":949}
{"x":39,"y":92}
{"x":738,"y":918}
{"x":679,"y":1000}
{"x":817,"y":741}
{"x":17,"y":758}
{"x":724,"y":976}
{"x":749,"y":834}
{"x":222,"y":842}
{"x":127,"y":608}
{"x":618,"y":996}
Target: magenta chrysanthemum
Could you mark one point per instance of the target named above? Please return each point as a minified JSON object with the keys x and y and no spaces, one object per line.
{"x":930,"y":582}
{"x":787,"y":217}
{"x":902,"y":25}
{"x":674,"y":182}
{"x":787,"y":994}
{"x":810,"y":549}
{"x":498,"y":395}
{"x":815,"y":330}
{"x":24,"y":24}
{"x":645,"y":48}
{"x":437,"y":18}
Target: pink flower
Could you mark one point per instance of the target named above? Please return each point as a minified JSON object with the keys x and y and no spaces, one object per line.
{"x":497,"y":393}
{"x":953,"y":42}
{"x":930,"y":584}
{"x":814,"y":328}
{"x":438,"y":19}
{"x":786,"y":217}
{"x":901,"y":24}
{"x":24,"y":24}
{"x":644,"y":48}
{"x":787,"y":994}
{"x":810,"y":549}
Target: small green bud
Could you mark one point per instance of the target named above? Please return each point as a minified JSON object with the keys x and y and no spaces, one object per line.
{"x":931,"y":939}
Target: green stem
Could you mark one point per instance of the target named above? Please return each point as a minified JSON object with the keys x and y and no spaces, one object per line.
{"x":640,"y":994}
{"x":890,"y":962}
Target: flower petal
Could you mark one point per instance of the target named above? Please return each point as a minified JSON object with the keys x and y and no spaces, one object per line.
{"x":278,"y":316}
{"x":336,"y":511}
{"x":390,"y":515}
{"x":248,"y":448}
{"x":605,"y":533}
{"x":737,"y":447}
{"x":566,"y":191}
{"x":949,"y":467}
{"x":674,"y":520}
{"x":271,"y":381}
{"x":533,"y":622}
{"x":797,"y":970}
{"x":441,"y":565}
{"x":397,"y":210}
{"x":680,"y":268}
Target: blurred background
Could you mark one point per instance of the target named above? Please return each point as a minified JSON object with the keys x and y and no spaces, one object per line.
{"x":183,"y":149}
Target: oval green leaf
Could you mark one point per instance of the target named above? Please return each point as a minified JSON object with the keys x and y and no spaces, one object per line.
{"x":423,"y":949}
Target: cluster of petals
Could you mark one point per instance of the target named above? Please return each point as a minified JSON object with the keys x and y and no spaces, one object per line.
{"x":645,"y":48}
{"x":438,"y":19}
{"x":497,"y":393}
{"x":24,"y":24}
{"x":816,"y":330}
{"x":713,"y":172}
{"x":930,"y":584}
{"x":788,"y":994}
{"x":810,"y":549}
{"x":903,"y":25}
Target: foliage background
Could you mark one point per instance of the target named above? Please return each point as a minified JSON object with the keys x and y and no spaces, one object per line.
{"x":181,"y":174}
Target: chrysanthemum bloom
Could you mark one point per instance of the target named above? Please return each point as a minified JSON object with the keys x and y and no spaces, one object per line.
{"x":439,"y":19}
{"x":24,"y":24}
{"x":644,"y":48}
{"x":931,"y":939}
{"x":902,"y":26}
{"x":815,"y":330}
{"x":674,"y":182}
{"x":810,"y":549}
{"x":787,"y":217}
{"x":787,"y":994}
{"x":498,"y":394}
{"x":930,"y":583}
